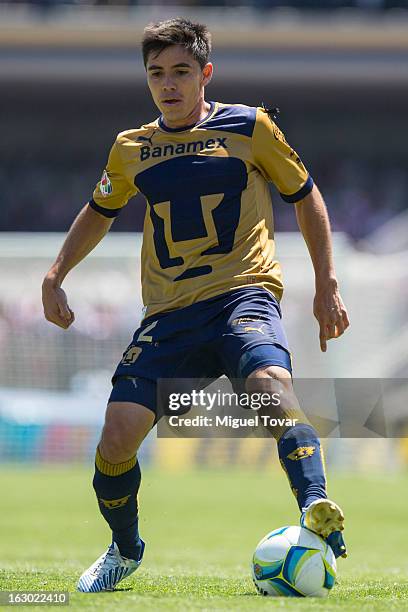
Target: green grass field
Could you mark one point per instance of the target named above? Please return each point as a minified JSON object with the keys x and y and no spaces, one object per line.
{"x":201,"y":528}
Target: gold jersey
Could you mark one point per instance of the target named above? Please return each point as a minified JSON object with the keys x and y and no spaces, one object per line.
{"x":209,"y":226}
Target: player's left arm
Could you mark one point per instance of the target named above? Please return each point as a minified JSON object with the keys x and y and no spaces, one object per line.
{"x":328,"y":306}
{"x":279,"y":163}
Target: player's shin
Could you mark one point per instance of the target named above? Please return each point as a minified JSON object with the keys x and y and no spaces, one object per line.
{"x":116,"y":487}
{"x":301,"y":457}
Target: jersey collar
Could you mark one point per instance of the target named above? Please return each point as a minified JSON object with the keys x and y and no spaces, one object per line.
{"x":188,"y":127}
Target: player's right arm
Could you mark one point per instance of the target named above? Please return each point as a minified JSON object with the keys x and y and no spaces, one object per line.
{"x":86,"y":232}
{"x":93,"y":222}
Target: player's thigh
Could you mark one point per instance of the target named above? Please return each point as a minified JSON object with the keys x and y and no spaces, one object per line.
{"x":159,"y":361}
{"x":148,"y":359}
{"x":126,"y":425}
{"x":249,"y":356}
{"x":253,"y":336}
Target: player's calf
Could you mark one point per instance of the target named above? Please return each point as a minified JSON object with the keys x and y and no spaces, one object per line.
{"x":117,"y":472}
{"x":301,"y":457}
{"x":299,"y":448}
{"x":116,"y":487}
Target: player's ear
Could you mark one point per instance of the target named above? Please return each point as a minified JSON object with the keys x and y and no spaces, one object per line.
{"x":207,"y":73}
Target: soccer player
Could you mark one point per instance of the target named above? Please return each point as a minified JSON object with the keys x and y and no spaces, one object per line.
{"x":210,"y":282}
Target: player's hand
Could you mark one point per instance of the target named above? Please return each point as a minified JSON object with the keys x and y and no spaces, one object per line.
{"x":55,"y":303}
{"x":330,"y":312}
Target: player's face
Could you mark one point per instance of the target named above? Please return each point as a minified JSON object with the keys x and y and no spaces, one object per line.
{"x":176,"y":82}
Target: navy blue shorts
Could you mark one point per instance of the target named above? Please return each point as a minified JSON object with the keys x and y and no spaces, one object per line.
{"x":233,"y":333}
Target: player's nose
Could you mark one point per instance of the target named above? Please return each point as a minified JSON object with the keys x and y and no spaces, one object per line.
{"x":168,"y":84}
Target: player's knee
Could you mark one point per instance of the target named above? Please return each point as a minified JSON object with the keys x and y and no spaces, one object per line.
{"x":277,"y":383}
{"x":115,"y":445}
{"x":118,"y":441}
{"x":271,"y":373}
{"x":126,"y":426}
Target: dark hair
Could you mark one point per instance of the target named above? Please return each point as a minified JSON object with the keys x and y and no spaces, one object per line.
{"x":192,"y":36}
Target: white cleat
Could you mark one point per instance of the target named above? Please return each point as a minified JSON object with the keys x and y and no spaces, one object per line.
{"x":108,"y":571}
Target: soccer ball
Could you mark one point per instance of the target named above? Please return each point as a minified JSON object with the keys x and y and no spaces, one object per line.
{"x":293,"y":562}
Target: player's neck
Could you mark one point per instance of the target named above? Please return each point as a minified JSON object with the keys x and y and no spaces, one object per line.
{"x":199,"y":112}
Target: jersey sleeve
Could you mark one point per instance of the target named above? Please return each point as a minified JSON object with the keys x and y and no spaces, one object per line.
{"x":114,"y":189}
{"x":277,"y":161}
